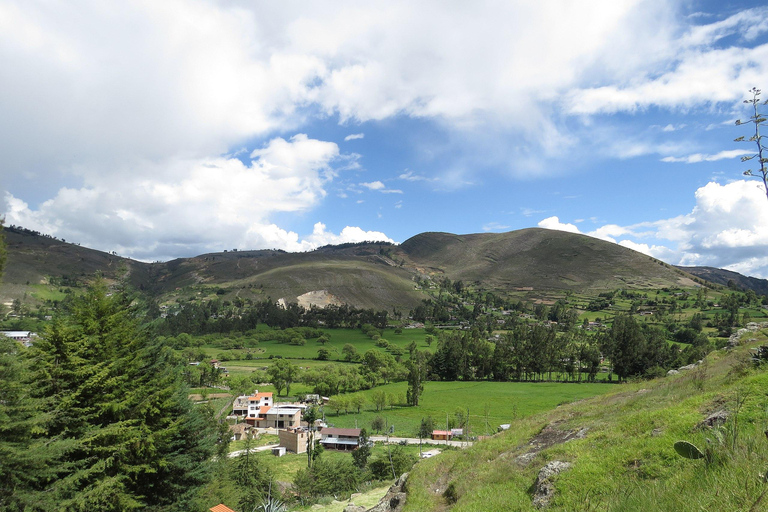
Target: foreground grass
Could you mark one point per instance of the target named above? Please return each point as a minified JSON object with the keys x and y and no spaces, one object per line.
{"x":626,"y":460}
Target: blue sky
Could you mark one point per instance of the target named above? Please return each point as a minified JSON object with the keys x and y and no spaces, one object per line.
{"x":175,"y":128}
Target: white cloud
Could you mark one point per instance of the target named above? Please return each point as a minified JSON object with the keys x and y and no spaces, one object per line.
{"x":728,"y":228}
{"x":495,"y":226}
{"x":392,"y":191}
{"x":410,"y":176}
{"x":700,"y":157}
{"x":192,"y":206}
{"x":354,"y":136}
{"x":554,"y":223}
{"x":350,"y":234}
{"x":374,"y":185}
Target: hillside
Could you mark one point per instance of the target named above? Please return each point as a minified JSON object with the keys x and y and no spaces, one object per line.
{"x":367,"y":275}
{"x":726,"y":277}
{"x":540,"y":259}
{"x":617,"y":450}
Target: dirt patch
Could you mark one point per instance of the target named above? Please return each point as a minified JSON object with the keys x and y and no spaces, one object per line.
{"x":198,"y":396}
{"x":549,"y":436}
{"x":317,"y":298}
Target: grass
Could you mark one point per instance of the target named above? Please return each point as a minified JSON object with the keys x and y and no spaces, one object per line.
{"x":308,"y":352}
{"x":625,"y":461}
{"x":503,"y":401}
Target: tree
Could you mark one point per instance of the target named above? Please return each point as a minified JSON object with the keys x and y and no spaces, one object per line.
{"x":758,"y":120}
{"x":2,"y":248}
{"x":127,"y":435}
{"x":282,"y":374}
{"x":350,"y":352}
{"x":360,"y":456}
{"x":417,"y":374}
{"x":378,"y":424}
{"x":311,"y":415}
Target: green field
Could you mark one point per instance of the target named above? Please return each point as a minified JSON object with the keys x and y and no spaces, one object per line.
{"x":339,"y":337}
{"x":503,"y":402}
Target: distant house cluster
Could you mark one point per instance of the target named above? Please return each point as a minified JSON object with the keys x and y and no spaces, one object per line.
{"x":26,"y":338}
{"x":259,"y":411}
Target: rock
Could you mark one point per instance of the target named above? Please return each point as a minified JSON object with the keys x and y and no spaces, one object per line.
{"x":672,"y":372}
{"x":687,"y":367}
{"x":525,"y":459}
{"x":656,"y":432}
{"x":714,"y":420}
{"x":394,"y":500}
{"x":545,"y":487}
{"x":351,"y":507}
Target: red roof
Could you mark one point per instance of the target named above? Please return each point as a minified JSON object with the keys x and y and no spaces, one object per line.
{"x":221,"y":508}
{"x":259,"y":396}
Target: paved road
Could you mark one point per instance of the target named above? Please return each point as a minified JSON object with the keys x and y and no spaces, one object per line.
{"x":412,"y":440}
{"x":376,"y":439}
{"x":254,"y":450}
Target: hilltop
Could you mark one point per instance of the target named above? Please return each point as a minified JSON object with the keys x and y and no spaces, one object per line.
{"x":365,"y":275}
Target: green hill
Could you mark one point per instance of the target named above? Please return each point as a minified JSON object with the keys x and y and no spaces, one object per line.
{"x":367,"y":275}
{"x":540,"y":259}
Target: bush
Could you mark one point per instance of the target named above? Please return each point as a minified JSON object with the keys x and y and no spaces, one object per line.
{"x":402,"y":461}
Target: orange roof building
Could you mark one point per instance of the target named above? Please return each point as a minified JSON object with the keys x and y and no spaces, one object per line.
{"x":221,"y":508}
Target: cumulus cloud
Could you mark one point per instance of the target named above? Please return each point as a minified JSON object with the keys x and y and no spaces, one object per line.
{"x":193,"y":206}
{"x":728,"y":228}
{"x":554,"y":223}
{"x":374,"y":185}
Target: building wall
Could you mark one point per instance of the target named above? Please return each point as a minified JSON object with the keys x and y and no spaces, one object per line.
{"x":294,"y":440}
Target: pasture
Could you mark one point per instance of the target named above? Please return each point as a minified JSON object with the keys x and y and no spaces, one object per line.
{"x":490,"y":404}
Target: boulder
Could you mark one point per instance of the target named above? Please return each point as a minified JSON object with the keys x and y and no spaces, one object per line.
{"x":545,"y":486}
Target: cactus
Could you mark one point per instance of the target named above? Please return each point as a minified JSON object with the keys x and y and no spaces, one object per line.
{"x":688,"y":450}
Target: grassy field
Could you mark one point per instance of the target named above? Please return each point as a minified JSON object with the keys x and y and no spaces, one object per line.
{"x":625,"y":460}
{"x":490,"y":404}
{"x":308,"y":352}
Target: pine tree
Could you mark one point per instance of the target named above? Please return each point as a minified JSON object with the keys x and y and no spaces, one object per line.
{"x":130,"y":437}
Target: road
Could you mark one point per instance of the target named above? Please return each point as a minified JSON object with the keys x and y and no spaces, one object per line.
{"x":254,"y":450}
{"x":412,"y":440}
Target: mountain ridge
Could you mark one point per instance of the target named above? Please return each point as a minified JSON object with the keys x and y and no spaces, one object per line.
{"x":369,"y":274}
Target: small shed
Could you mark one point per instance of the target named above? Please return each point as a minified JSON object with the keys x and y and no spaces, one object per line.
{"x":441,"y":435}
{"x":278,"y":451}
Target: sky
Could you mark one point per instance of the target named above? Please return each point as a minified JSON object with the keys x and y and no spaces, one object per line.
{"x":171,"y":129}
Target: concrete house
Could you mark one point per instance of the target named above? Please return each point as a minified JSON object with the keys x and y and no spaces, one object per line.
{"x":340,"y":438}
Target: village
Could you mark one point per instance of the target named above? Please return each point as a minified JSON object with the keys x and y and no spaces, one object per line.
{"x":258,"y":413}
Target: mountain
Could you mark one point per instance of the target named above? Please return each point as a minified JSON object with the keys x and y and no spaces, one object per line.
{"x":369,"y":275}
{"x":540,"y":259}
{"x":729,"y":278}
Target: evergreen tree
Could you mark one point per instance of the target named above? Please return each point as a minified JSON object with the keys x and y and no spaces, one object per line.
{"x":130,"y":439}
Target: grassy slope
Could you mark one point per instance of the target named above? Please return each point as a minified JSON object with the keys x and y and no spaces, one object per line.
{"x":364,"y":275}
{"x":539,"y":258}
{"x":33,"y":259}
{"x":626,"y":460}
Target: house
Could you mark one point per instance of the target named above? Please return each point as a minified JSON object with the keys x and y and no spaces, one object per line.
{"x":340,"y":438}
{"x":282,"y":416}
{"x":442,"y":435}
{"x":239,"y":431}
{"x":294,"y":439}
{"x":221,"y":508}
{"x":257,"y":406}
{"x":23,"y":337}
